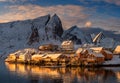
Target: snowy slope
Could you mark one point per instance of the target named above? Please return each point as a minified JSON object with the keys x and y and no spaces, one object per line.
{"x":75,"y":34}
{"x":16,"y":35}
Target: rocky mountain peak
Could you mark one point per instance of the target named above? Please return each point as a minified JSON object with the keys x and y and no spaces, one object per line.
{"x":54,"y":29}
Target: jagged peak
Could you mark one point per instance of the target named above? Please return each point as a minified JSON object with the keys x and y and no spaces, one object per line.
{"x":55,"y":17}
{"x":75,"y":27}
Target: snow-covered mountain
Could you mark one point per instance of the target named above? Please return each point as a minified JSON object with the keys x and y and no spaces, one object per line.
{"x":107,"y":39}
{"x":46,"y":29}
{"x":76,"y":34}
{"x":30,"y":33}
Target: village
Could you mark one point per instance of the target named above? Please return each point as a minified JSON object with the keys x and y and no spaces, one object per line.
{"x":64,"y":55}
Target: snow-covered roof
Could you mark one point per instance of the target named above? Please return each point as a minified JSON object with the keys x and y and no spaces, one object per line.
{"x":97,"y":49}
{"x":97,"y":54}
{"x":68,"y":42}
{"x":79,"y":50}
{"x":108,"y":52}
{"x":37,"y":55}
{"x":53,"y":56}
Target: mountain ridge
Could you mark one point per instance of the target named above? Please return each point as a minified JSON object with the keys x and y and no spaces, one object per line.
{"x":42,"y":30}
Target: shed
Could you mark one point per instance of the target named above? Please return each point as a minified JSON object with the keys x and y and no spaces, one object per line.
{"x":98,"y":57}
{"x":67,"y":45}
{"x":48,"y":47}
{"x":117,"y":50}
{"x":108,"y":55}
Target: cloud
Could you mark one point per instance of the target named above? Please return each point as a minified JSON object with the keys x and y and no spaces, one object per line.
{"x":116,"y":2}
{"x":13,"y":1}
{"x":69,"y":14}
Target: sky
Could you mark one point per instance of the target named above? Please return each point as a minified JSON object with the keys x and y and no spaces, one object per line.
{"x":83,"y":13}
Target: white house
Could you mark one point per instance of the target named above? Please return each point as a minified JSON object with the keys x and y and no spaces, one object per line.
{"x":67,"y":45}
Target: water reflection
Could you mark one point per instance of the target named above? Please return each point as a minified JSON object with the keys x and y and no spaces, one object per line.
{"x":37,"y":74}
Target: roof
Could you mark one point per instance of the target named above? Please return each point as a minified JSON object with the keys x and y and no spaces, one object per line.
{"x":97,"y":49}
{"x":67,"y":42}
{"x":94,"y":53}
{"x":81,"y":50}
{"x":108,"y":52}
{"x":37,"y":55}
{"x":53,"y":56}
{"x":97,"y":54}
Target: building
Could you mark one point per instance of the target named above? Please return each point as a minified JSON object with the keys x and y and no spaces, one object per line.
{"x":67,"y":45}
{"x":98,"y":58}
{"x":107,"y":54}
{"x":97,"y":49}
{"x":48,"y":47}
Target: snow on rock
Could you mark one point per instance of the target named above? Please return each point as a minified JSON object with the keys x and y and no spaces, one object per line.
{"x":16,"y":35}
{"x":54,"y":28}
{"x":74,"y":34}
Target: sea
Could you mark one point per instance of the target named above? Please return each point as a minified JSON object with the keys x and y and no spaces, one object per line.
{"x":20,"y":73}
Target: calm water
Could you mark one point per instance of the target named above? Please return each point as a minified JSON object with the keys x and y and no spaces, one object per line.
{"x":18,"y":73}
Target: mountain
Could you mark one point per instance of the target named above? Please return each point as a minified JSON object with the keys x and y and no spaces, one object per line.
{"x":30,"y":33}
{"x":48,"y":29}
{"x":76,"y":35}
{"x":54,"y":28}
{"x":98,"y":36}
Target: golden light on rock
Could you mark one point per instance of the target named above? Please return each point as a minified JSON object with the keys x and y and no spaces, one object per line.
{"x":88,"y":24}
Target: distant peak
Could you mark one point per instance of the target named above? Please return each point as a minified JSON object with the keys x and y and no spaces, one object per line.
{"x":74,"y":27}
{"x":55,"y":15}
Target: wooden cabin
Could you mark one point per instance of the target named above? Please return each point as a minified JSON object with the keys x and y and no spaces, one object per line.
{"x":55,"y":59}
{"x":117,"y":50}
{"x":48,"y":47}
{"x":67,"y":45}
{"x":108,"y":55}
{"x":94,"y":57}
